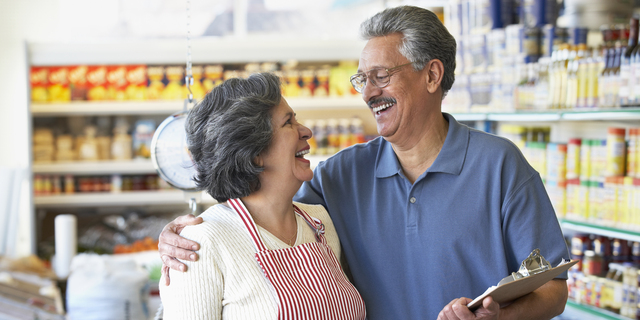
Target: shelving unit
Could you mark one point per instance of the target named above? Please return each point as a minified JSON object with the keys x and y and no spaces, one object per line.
{"x":594,"y":311}
{"x":126,"y":198}
{"x":138,"y":166}
{"x":585,"y":227}
{"x":626,"y":114}
{"x":159,"y":107}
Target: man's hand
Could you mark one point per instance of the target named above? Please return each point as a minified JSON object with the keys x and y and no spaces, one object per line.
{"x":457,"y":309}
{"x":172,"y":246}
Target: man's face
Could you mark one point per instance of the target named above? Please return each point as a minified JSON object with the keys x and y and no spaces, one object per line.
{"x":399,"y":107}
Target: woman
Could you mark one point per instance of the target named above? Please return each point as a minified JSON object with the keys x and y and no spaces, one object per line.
{"x":262,"y":256}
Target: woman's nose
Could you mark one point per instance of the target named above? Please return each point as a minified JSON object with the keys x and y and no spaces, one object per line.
{"x":305,"y":133}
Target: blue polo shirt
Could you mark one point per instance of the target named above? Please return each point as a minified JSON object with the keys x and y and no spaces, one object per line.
{"x":466,"y":223}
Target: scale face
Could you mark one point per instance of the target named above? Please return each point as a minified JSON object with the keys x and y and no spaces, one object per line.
{"x":170,"y":155}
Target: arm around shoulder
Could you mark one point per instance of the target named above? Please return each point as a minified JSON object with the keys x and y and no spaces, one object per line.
{"x":197,"y":293}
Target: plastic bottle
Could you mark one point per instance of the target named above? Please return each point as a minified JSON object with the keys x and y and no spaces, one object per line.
{"x":616,"y":152}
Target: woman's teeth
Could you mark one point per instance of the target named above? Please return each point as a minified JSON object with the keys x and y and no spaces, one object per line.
{"x":381,"y":107}
{"x":302,"y":153}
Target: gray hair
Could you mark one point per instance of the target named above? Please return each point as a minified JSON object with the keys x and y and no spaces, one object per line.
{"x":424,"y":38}
{"x":227,"y":130}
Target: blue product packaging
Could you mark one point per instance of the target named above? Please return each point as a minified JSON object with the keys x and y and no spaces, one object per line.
{"x":537,"y":13}
{"x":502,"y":13}
{"x":578,"y":36}
{"x":531,"y":43}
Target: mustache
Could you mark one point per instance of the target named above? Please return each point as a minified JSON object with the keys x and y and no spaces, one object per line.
{"x":381,"y":100}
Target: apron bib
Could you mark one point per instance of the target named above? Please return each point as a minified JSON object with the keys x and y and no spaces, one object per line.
{"x":307,"y":278}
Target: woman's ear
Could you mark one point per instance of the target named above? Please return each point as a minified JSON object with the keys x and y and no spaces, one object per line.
{"x":435,"y":72}
{"x":258,"y":161}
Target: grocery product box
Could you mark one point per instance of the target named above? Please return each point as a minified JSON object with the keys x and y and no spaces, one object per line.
{"x":97,"y":83}
{"x":58,"y":88}
{"x":136,"y":77}
{"x":212,"y":76}
{"x":39,"y":79}
{"x":174,"y":83}
{"x":78,"y":82}
{"x":155,"y":82}
{"x":117,"y":83}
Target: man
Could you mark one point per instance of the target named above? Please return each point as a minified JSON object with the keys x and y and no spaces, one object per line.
{"x":432,"y":210}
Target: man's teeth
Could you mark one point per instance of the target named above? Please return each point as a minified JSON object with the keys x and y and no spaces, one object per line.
{"x":302,"y":153}
{"x":382,"y":107}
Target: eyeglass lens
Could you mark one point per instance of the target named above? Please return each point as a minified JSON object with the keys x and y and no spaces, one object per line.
{"x":378,"y":77}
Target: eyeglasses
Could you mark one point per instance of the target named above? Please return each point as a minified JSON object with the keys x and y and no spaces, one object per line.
{"x":380,"y":77}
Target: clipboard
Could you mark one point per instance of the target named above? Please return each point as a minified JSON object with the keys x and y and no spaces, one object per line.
{"x":518,"y":288}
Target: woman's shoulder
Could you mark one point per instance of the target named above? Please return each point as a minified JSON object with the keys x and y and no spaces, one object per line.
{"x":219,"y":222}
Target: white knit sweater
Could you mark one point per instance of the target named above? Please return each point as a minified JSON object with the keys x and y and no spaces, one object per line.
{"x":226,"y":282}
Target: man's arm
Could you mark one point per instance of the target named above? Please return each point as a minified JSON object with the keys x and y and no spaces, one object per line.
{"x":546,"y":302}
{"x":171,"y":246}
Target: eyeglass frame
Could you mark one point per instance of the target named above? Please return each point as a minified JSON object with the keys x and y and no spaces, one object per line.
{"x":388,"y":70}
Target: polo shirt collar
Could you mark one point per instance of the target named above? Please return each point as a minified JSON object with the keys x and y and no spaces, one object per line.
{"x":450,"y":159}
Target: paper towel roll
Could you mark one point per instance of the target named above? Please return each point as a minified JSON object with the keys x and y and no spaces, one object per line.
{"x":66,"y":243}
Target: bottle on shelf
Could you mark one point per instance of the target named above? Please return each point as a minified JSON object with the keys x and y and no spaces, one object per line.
{"x":625,"y":64}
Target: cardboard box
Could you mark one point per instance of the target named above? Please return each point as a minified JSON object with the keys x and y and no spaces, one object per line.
{"x":39,"y":79}
{"x":78,"y":82}
{"x":58,"y":88}
{"x":117,"y":83}
{"x":136,"y":76}
{"x":97,"y":83}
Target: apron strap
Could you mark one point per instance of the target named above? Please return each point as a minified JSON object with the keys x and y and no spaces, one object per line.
{"x":246,"y":218}
{"x":315,"y":224}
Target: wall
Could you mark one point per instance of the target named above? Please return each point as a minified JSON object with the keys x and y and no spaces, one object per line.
{"x":19,"y":21}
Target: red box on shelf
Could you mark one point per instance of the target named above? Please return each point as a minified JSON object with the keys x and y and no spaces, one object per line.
{"x":136,"y":82}
{"x":58,"y":88}
{"x":117,"y":83}
{"x":97,"y":83}
{"x":39,"y":79}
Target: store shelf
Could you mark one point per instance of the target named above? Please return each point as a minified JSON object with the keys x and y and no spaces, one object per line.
{"x":522,"y":116}
{"x":128,"y":198}
{"x":106,"y":108}
{"x":95,"y":168}
{"x":203,"y":50}
{"x":470,"y":116}
{"x":584,"y":227}
{"x":605,"y":114}
{"x":140,"y":166}
{"x":535,"y":116}
{"x":599,"y":313}
{"x":168,"y":107}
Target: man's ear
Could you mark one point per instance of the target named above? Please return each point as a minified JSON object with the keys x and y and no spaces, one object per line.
{"x":435,"y":72}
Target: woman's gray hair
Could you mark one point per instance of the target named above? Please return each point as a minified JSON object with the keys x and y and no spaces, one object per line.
{"x":227,"y":130}
{"x":424,"y":38}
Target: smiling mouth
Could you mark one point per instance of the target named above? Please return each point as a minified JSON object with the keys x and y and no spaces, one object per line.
{"x":382,"y":107}
{"x":300,"y":154}
{"x":381,"y":104}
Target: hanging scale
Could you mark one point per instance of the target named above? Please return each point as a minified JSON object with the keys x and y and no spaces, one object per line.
{"x":169,"y":153}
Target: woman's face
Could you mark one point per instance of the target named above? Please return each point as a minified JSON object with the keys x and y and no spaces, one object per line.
{"x":284,"y":158}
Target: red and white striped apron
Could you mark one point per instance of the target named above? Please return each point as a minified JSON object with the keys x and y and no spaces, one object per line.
{"x":307,"y":278}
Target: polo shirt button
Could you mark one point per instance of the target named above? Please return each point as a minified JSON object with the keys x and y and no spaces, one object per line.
{"x":412,"y":200}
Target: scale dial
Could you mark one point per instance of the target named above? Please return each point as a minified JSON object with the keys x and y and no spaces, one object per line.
{"x":170,"y":155}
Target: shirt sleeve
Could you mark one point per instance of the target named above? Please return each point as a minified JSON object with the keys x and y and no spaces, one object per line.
{"x":530,"y":222}
{"x":197,"y":293}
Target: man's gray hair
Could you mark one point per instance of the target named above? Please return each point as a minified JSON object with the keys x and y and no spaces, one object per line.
{"x":424,"y":38}
{"x":228,"y":129}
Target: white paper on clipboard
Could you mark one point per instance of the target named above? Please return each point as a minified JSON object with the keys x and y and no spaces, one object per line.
{"x":518,"y":288}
